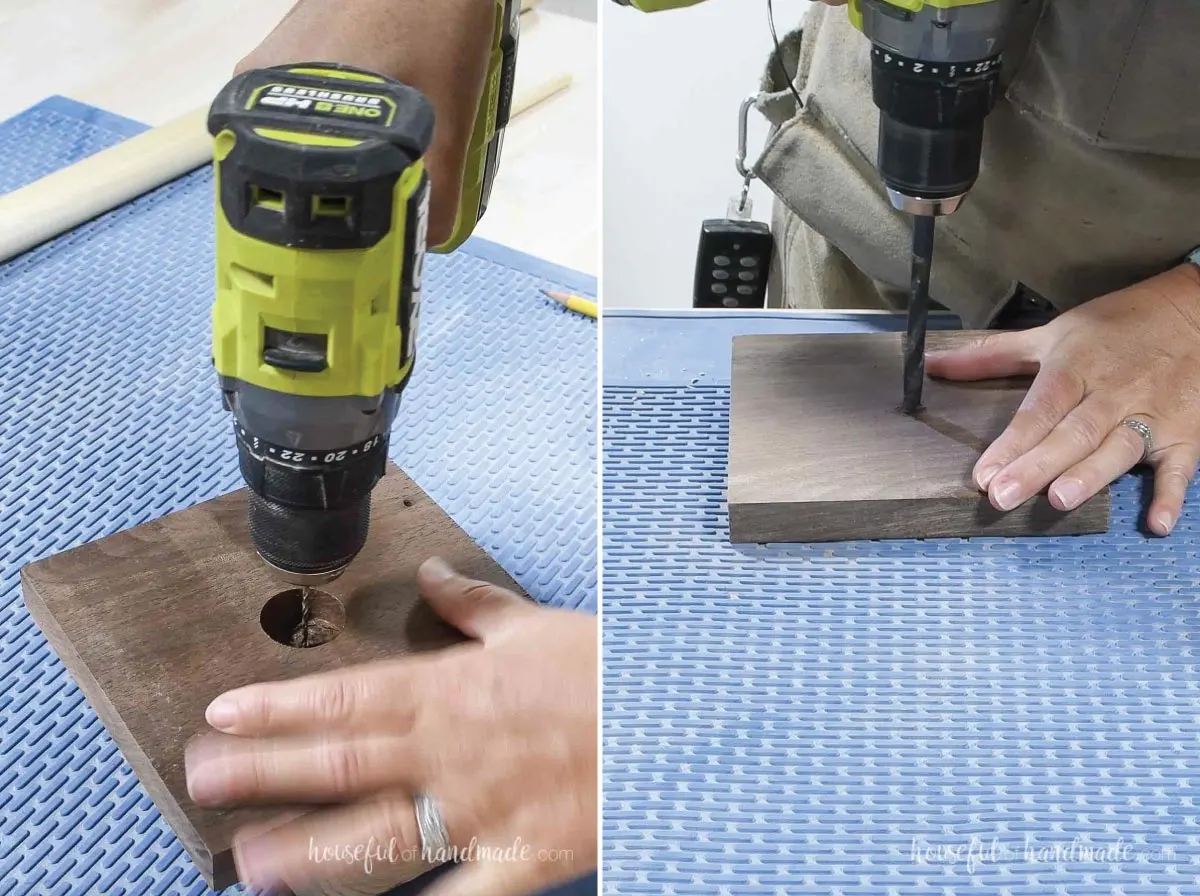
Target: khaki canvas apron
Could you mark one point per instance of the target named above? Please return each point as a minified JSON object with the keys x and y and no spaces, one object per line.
{"x":1091,"y":167}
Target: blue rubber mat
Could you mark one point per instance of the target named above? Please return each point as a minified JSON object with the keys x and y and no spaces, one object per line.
{"x":110,"y":417}
{"x":999,"y":717}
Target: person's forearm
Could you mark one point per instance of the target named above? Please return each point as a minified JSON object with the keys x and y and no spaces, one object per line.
{"x":440,"y":48}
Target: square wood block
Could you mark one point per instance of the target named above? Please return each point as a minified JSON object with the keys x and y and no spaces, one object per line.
{"x":819,"y":450}
{"x":156,"y":621}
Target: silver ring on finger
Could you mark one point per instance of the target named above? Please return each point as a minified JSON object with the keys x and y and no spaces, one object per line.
{"x":431,"y":828}
{"x":1144,"y":432}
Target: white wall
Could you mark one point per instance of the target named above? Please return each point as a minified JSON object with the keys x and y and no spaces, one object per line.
{"x":673,"y":82}
{"x":580,"y":9}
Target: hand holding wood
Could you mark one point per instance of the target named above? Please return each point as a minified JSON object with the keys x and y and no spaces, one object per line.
{"x":501,"y":731}
{"x":1130,"y":355}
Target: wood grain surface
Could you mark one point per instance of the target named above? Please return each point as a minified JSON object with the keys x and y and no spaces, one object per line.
{"x":155,"y":622}
{"x":819,"y":451}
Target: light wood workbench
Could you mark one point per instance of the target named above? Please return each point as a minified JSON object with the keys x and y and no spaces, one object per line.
{"x":153,"y":60}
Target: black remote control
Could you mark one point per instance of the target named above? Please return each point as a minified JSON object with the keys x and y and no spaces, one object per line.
{"x":733,"y":264}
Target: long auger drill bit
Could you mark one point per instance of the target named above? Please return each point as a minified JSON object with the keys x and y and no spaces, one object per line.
{"x":918,"y":314}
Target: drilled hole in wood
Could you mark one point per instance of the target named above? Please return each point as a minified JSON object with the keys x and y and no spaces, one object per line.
{"x":408,"y":503}
{"x":291,"y":621}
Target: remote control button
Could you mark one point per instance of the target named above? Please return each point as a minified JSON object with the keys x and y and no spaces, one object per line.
{"x":745,"y":290}
{"x":722,"y":261}
{"x":750,"y":261}
{"x":729,"y":302}
{"x":720,"y":289}
{"x":747,"y":276}
{"x":719,"y":274}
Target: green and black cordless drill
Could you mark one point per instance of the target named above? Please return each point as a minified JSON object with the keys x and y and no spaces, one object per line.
{"x":322,"y":213}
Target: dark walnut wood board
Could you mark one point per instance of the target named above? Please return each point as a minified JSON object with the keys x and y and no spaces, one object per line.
{"x":155,"y":622}
{"x":819,"y":450}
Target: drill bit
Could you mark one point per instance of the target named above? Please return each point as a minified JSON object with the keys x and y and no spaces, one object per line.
{"x":305,"y":616}
{"x":918,"y":314}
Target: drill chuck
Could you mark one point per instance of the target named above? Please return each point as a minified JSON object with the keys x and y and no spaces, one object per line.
{"x":308,"y":547}
{"x":931,"y":121}
{"x":935,"y":76}
{"x":309,"y":511}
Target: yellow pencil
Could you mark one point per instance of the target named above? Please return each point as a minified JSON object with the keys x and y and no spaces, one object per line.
{"x":585,"y":307}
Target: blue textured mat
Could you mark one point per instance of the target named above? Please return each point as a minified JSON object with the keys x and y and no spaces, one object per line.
{"x":110,"y":417}
{"x":1000,"y":717}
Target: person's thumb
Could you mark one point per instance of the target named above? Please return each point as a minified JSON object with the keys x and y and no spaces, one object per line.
{"x":994,"y":356}
{"x":477,"y":609}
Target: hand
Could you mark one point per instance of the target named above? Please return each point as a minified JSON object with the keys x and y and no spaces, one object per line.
{"x":439,"y":48}
{"x":502,"y":732}
{"x":1132,"y":353}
